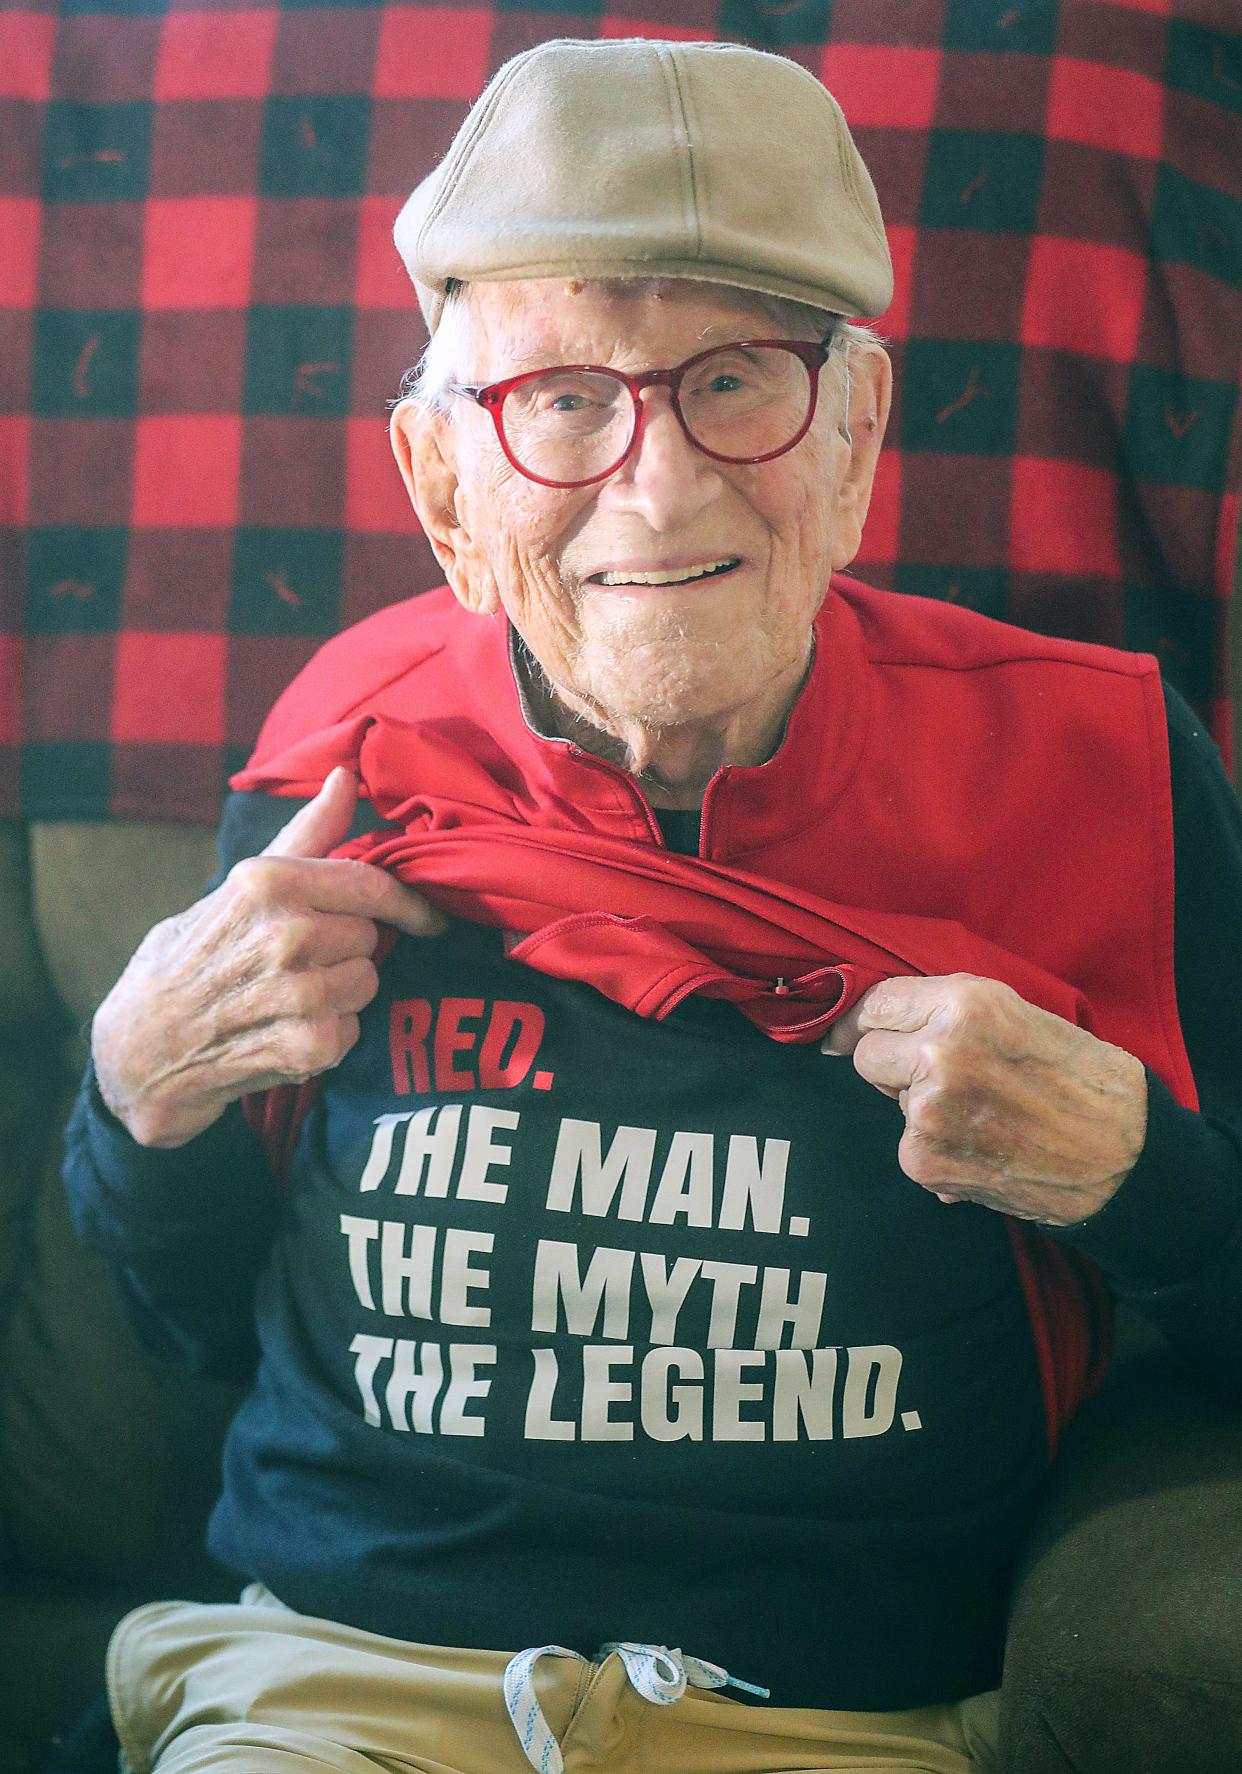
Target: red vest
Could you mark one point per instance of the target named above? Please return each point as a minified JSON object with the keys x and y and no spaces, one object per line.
{"x":952,"y":794}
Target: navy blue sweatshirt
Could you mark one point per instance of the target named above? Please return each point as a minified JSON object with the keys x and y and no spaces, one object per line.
{"x":572,"y":1328}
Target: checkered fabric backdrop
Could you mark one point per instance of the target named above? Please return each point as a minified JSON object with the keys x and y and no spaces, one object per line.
{"x":203,"y":317}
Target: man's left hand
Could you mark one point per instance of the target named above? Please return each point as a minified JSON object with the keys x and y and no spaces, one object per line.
{"x":1005,"y":1104}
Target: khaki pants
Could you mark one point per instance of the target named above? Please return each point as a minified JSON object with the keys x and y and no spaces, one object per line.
{"x":255,"y":1688}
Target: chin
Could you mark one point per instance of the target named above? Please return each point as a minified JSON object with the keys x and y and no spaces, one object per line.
{"x":668,"y":692}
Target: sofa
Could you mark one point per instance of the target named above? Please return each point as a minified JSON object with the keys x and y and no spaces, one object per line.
{"x":1125,"y":1644}
{"x":107,"y":1461}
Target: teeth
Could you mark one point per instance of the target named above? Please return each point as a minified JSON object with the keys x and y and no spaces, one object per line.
{"x":678,"y":575}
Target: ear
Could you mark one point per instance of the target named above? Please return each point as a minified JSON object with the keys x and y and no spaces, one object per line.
{"x":423,"y":444}
{"x":871,"y":393}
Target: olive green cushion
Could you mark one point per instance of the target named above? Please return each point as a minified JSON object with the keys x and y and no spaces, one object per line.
{"x":33,"y":1069}
{"x":1125,"y":1644}
{"x":53,"y":1635}
{"x":98,"y":887}
{"x":32,"y":1063}
{"x":108,"y":1459}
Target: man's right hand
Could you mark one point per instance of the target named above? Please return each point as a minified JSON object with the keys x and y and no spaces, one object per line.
{"x":259,"y":984}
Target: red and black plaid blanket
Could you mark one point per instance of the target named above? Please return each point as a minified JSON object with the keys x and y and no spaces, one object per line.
{"x":202,"y":318}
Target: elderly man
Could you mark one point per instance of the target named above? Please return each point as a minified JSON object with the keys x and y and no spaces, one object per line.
{"x":625,"y":1394}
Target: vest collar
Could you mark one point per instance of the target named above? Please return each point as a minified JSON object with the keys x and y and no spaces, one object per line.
{"x":745,"y":807}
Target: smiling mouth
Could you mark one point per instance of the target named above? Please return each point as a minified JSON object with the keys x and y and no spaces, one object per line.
{"x":671,"y":576}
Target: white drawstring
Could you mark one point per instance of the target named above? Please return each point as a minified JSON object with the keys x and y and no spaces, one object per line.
{"x":654,"y":1671}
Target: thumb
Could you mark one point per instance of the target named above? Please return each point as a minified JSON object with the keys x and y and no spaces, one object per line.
{"x":903,"y":1003}
{"x":844,"y":1035}
{"x":316,"y":829}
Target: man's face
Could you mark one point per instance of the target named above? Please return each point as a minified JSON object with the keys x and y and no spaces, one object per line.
{"x":664,"y":654}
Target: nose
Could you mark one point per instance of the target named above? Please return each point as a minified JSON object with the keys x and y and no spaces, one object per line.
{"x":665,"y":480}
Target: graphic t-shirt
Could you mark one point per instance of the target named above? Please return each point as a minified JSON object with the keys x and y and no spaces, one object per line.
{"x":632,"y":1332}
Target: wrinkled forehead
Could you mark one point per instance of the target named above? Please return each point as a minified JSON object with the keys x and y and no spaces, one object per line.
{"x":625,"y":322}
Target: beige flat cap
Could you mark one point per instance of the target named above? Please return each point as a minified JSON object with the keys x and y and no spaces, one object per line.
{"x":633,"y":158}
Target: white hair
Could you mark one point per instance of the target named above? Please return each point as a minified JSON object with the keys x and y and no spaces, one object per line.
{"x":448,"y":350}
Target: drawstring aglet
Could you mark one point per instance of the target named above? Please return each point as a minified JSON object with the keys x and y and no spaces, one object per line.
{"x":733,"y":1681}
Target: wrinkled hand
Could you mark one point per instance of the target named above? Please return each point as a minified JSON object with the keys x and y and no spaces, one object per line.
{"x":1005,"y":1104}
{"x":258,"y":984}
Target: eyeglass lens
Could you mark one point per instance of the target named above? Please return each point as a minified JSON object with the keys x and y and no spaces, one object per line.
{"x":568,"y":425}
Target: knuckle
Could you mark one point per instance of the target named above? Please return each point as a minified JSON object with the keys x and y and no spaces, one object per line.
{"x":306,"y":997}
{"x":367,"y":883}
{"x":255,"y":880}
{"x":363,"y":984}
{"x":935,"y":1059}
{"x":367,"y":938}
{"x":313,"y":1046}
{"x":923,"y":1163}
{"x":975,"y":994}
{"x":246,"y":875}
{"x":962,"y":999}
{"x":287,"y":941}
{"x":929,"y":1113}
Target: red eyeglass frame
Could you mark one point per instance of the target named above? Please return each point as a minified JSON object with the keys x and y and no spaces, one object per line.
{"x":491,"y":397}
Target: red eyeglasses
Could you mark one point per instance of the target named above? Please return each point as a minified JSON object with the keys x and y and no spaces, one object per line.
{"x":575,"y":424}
